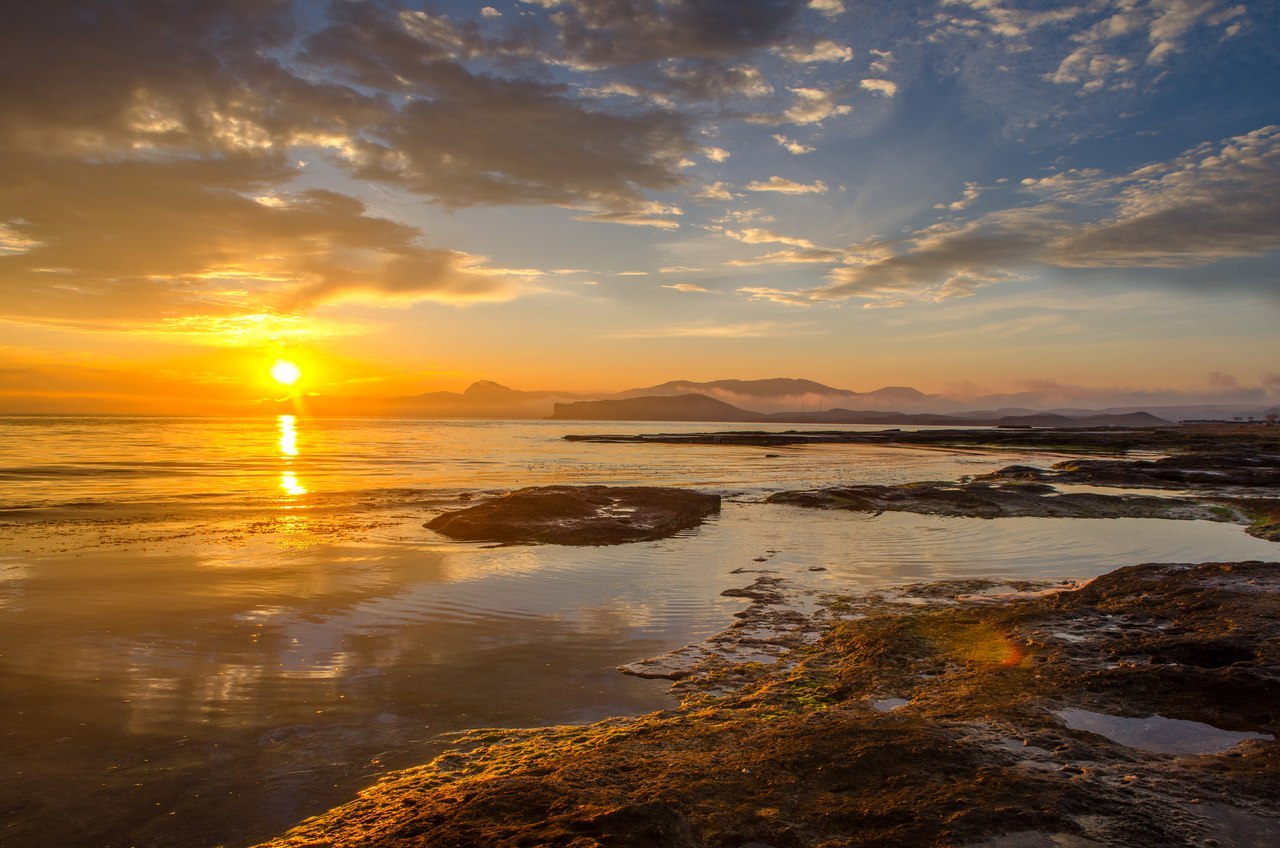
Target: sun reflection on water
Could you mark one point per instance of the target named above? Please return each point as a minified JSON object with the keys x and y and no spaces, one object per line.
{"x":288,"y":435}
{"x":289,"y":484}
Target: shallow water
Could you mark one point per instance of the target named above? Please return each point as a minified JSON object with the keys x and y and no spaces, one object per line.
{"x":211,"y":629}
{"x":1157,"y":733}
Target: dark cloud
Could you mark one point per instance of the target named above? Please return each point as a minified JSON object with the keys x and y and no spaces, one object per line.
{"x":620,"y":32}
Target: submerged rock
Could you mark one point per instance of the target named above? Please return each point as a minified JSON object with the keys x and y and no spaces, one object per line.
{"x":579,"y":515}
{"x":937,"y":722}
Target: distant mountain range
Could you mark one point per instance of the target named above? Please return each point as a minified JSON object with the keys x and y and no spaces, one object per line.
{"x":784,"y":400}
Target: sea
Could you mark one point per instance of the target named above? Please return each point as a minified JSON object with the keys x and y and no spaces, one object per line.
{"x":213,"y":628}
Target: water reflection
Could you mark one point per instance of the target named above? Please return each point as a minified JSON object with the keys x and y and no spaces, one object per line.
{"x":288,"y":435}
{"x":289,"y":484}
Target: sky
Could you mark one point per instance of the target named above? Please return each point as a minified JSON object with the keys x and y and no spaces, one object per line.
{"x":963,"y":196}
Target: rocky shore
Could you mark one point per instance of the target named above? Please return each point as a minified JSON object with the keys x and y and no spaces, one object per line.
{"x":1137,"y":710}
{"x":1184,"y":439}
{"x":1237,"y":485}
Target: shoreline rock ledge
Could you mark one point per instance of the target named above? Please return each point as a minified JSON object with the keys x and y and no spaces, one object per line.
{"x":579,"y":515}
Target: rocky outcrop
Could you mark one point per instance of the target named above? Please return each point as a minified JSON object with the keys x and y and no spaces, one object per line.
{"x":1137,"y":711}
{"x":992,"y":500}
{"x":1200,"y":470}
{"x":579,"y":515}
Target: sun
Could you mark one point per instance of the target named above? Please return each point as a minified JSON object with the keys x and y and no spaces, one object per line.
{"x":285,"y":372}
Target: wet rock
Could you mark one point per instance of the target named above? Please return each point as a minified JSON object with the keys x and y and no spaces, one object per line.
{"x":579,"y":515}
{"x":1199,"y":470}
{"x":981,"y":499}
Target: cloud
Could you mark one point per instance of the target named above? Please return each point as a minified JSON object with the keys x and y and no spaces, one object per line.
{"x":791,"y":256}
{"x":635,"y":31}
{"x":792,"y":146}
{"x":830,"y":8}
{"x":490,"y":12}
{"x":711,"y":330}
{"x":880,"y":86}
{"x":654,"y":215}
{"x":715,"y":154}
{"x":815,"y":50}
{"x":686,"y":287}
{"x":715,"y":191}
{"x":1212,"y":203}
{"x":124,"y":241}
{"x":788,"y":298}
{"x":813,"y":105}
{"x":785,"y":186}
{"x":972,"y":191}
{"x":762,"y":236}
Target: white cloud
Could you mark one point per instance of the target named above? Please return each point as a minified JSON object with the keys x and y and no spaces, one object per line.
{"x":715,"y":191}
{"x":814,"y":105}
{"x":785,"y":186}
{"x":793,"y":256}
{"x":686,"y":287}
{"x":755,"y":235}
{"x":880,"y":86}
{"x":490,"y":12}
{"x":972,"y":191}
{"x":792,"y":146}
{"x":715,"y":154}
{"x":830,"y":8}
{"x":821,"y":50}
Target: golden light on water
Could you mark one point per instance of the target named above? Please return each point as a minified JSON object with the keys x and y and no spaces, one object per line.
{"x":289,"y":483}
{"x":288,"y":434}
{"x":285,"y":372}
{"x":288,"y":425}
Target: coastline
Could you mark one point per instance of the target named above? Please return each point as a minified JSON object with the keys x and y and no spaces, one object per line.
{"x":1133,"y":710}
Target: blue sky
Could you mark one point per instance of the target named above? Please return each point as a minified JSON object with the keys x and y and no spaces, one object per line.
{"x":965,"y":196}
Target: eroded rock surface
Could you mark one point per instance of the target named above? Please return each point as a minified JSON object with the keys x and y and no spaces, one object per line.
{"x":579,"y":515}
{"x":938,"y":715}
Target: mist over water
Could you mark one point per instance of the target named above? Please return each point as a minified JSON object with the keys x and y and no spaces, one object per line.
{"x":213,"y":628}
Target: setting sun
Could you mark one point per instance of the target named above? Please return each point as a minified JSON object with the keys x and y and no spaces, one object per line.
{"x":285,"y":372}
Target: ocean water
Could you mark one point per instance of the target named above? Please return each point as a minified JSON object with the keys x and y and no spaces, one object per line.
{"x":213,"y":628}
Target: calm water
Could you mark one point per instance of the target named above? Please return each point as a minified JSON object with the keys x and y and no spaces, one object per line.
{"x":211,"y":629}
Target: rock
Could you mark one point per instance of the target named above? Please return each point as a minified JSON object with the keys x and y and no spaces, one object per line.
{"x":982,"y":499}
{"x":579,"y":515}
{"x":1200,"y":470}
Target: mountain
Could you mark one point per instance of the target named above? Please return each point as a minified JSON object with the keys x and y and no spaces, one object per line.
{"x":690,"y":407}
{"x":781,"y":399}
{"x":786,"y":394}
